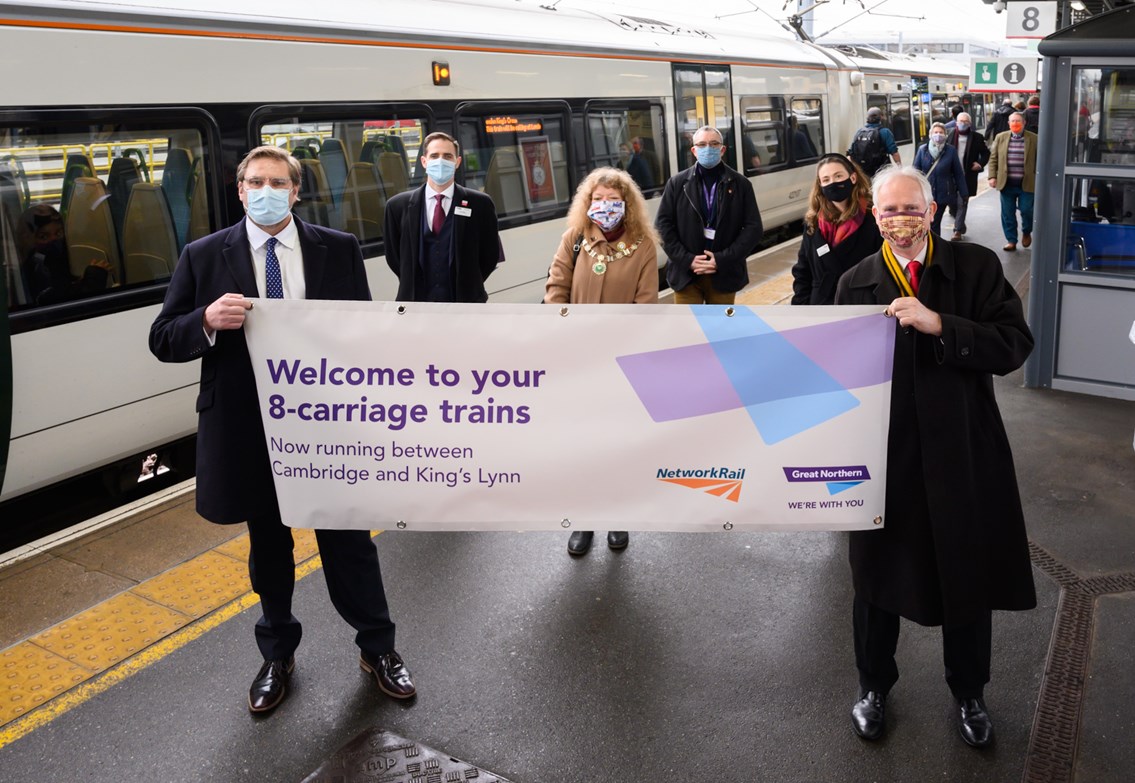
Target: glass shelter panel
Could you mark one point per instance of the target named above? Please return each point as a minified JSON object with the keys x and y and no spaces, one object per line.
{"x":1103,"y":108}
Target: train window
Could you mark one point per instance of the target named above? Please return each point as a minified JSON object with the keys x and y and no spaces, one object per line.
{"x":1101,"y":228}
{"x":763,"y":134}
{"x":628,"y":139}
{"x":703,"y":95}
{"x":518,"y":155}
{"x":1103,"y":118}
{"x":352,"y":165}
{"x":900,"y":120}
{"x":87,"y":210}
{"x":806,"y":126}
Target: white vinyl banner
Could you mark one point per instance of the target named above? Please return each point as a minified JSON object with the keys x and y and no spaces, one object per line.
{"x":586,"y":417}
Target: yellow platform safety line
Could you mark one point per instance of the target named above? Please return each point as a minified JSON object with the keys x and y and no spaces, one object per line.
{"x":148,"y":622}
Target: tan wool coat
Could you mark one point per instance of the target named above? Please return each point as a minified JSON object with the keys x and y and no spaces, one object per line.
{"x":631,"y":279}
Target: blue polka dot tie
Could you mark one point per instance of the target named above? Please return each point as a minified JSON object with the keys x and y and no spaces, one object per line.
{"x":274,"y":283}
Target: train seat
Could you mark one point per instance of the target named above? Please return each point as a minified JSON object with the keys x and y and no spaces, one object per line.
{"x":176,"y":181}
{"x":315,"y":204}
{"x":76,"y":164}
{"x":11,"y":207}
{"x":392,"y":170}
{"x":198,"y":203}
{"x":149,"y":241}
{"x":504,"y":181}
{"x":124,"y":174}
{"x":370,"y":151}
{"x":89,"y":228}
{"x":364,"y":204}
{"x":334,"y":161}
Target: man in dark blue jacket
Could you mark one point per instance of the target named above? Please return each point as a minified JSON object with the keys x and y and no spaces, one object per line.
{"x":270,"y":253}
{"x":710,"y":224}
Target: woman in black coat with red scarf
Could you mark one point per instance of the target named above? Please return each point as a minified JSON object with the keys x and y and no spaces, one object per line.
{"x":839,"y":230}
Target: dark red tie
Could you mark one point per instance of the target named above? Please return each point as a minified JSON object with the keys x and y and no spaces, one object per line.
{"x":915,"y":275}
{"x":439,"y":214}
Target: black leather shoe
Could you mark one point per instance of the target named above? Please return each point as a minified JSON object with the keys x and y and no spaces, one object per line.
{"x":391,"y":673}
{"x":271,"y":685}
{"x":618,"y":539}
{"x":868,"y":715}
{"x":580,"y":542}
{"x":974,"y":723}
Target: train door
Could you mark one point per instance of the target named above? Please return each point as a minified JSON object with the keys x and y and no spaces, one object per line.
{"x":921,"y":108}
{"x":703,"y":95}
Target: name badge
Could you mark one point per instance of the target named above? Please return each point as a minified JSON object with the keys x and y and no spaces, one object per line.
{"x":462,"y":211}
{"x":710,"y":233}
{"x":823,"y":250}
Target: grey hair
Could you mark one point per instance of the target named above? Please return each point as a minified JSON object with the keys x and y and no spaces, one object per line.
{"x":941,"y":125}
{"x":712,"y":129}
{"x":966,"y":114}
{"x":887,"y":173}
{"x":1017,"y":114}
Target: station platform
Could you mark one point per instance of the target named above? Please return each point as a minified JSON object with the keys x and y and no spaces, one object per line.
{"x":127,"y":652}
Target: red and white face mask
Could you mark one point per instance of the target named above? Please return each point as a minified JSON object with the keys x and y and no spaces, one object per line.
{"x":903,"y":230}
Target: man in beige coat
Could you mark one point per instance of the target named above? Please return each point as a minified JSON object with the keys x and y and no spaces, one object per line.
{"x":1012,"y":170}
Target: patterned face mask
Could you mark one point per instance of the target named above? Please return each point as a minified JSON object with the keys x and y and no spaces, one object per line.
{"x":903,"y":230}
{"x":607,"y":214}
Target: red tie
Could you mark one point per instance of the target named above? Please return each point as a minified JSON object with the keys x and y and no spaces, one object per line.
{"x":439,"y":214}
{"x":915,"y":275}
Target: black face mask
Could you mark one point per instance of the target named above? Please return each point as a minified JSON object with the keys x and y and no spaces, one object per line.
{"x":838,"y":191}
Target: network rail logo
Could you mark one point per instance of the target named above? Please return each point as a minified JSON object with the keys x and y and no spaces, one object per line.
{"x":838,"y":478}
{"x":719,"y":482}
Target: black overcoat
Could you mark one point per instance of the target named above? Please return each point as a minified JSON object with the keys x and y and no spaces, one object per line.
{"x":476,"y":245}
{"x":953,"y":542}
{"x":234,"y":477}
{"x":977,"y":151}
{"x":814,"y":276}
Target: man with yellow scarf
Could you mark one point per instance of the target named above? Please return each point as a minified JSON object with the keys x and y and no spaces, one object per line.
{"x":953,"y":547}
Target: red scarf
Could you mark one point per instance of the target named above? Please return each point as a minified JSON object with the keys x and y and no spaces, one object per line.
{"x":834,"y":233}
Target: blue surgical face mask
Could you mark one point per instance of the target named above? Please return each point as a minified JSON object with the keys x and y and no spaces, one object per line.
{"x":938,"y":138}
{"x":708,"y":157}
{"x":963,"y":126}
{"x":440,"y":170}
{"x":268,"y":206}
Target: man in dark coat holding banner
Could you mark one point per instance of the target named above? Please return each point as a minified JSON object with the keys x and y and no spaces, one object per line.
{"x":953,"y":546}
{"x":270,"y":253}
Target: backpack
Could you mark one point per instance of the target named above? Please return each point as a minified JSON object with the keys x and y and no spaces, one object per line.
{"x":867,"y":150}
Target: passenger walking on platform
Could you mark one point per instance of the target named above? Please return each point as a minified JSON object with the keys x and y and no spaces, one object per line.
{"x":607,"y":255}
{"x":1012,"y":170}
{"x":709,"y":223}
{"x":442,"y":239}
{"x":953,"y":546}
{"x":999,"y":122}
{"x":941,"y":165}
{"x":839,"y":230}
{"x":974,"y":153}
{"x":269,"y":253}
{"x":1032,"y":115}
{"x":874,"y":146}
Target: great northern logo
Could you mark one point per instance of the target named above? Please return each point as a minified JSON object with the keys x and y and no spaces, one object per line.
{"x":720,"y":482}
{"x":838,"y":477}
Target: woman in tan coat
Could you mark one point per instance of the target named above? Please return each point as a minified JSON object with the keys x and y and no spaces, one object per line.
{"x":607,"y":255}
{"x":609,"y":252}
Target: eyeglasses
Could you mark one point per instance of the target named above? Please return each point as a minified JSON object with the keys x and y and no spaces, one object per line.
{"x":279,"y":183}
{"x":701,"y":145}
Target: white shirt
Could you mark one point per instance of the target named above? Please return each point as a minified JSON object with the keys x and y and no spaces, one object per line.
{"x":920,"y":258}
{"x":963,"y":142}
{"x":288,"y":253}
{"x":431,"y":200}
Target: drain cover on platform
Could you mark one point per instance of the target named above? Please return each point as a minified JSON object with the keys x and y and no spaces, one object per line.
{"x":378,"y":756}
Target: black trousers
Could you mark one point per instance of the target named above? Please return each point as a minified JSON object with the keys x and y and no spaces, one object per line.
{"x":966,"y":651}
{"x":354,"y":582}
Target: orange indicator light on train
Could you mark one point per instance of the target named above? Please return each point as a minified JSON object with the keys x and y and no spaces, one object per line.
{"x":441,"y":73}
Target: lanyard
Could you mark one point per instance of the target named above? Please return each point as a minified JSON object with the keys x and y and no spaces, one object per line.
{"x":710,"y":199}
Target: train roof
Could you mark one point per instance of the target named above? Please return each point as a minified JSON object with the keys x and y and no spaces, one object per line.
{"x":867,"y":58}
{"x":505,"y":25}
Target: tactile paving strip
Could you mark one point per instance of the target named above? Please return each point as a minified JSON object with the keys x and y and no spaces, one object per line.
{"x":198,"y":586}
{"x":378,"y":756}
{"x":110,"y":632}
{"x":31,"y":676}
{"x":1056,"y":727}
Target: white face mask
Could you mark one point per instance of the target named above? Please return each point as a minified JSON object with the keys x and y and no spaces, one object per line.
{"x":268,"y":206}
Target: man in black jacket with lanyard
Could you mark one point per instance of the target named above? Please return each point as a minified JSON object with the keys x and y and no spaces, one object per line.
{"x":953,"y":547}
{"x":709,"y":222}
